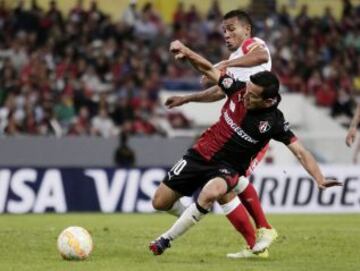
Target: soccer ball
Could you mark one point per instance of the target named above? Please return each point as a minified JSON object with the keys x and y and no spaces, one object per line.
{"x":74,"y":243}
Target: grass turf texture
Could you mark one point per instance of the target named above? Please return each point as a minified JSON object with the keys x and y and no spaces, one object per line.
{"x":306,"y":242}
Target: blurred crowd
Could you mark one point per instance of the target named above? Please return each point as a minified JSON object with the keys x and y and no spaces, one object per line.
{"x":85,"y":73}
{"x":318,"y":56}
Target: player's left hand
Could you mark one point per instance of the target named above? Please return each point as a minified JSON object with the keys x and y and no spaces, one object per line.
{"x":329,"y":183}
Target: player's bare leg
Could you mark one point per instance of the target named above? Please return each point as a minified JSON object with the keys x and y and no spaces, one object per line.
{"x":164,"y":198}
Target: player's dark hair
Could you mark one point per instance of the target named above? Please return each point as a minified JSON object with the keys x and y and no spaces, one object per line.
{"x":241,"y":15}
{"x":269,"y":82}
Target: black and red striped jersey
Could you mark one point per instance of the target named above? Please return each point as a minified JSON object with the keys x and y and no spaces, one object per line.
{"x":239,"y":134}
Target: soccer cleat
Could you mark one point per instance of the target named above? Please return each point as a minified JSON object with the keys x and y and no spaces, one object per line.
{"x":248,"y":253}
{"x":264,"y":238}
{"x":159,"y":245}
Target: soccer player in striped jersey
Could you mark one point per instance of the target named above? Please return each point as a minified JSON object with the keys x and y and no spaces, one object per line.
{"x":249,"y":120}
{"x":249,"y":55}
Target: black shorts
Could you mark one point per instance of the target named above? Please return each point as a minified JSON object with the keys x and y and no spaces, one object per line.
{"x":193,"y":172}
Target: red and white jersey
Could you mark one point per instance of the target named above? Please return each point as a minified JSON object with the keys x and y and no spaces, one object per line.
{"x":243,"y":73}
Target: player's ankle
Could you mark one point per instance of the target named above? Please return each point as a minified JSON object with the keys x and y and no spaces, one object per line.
{"x":264,"y":226}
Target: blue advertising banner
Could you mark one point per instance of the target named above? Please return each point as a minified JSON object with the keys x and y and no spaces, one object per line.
{"x":39,"y":190}
{"x":60,"y":190}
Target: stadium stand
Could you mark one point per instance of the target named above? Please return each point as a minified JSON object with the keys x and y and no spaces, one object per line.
{"x":88,"y":74}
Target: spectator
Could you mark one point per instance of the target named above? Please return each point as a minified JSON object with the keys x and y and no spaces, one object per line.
{"x":179,"y":16}
{"x":58,"y":73}
{"x":93,"y":83}
{"x":6,"y":113}
{"x":54,"y":15}
{"x":342,"y":104}
{"x":65,"y":111}
{"x":130,"y":15}
{"x":102,"y":125}
{"x":148,"y":26}
{"x":4,"y":15}
{"x":16,"y":54}
{"x":214,"y":12}
{"x":124,"y":155}
{"x":284,"y":17}
{"x":356,"y":83}
{"x":94,"y":13}
{"x":325,"y":96}
{"x":77,"y":13}
{"x":123,"y":111}
{"x":81,"y":124}
{"x":193,"y":15}
{"x":347,"y":8}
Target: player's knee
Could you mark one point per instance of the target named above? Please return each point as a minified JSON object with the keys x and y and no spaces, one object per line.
{"x":227,"y":198}
{"x":209,"y":196}
{"x":214,"y":189}
{"x":160,"y":203}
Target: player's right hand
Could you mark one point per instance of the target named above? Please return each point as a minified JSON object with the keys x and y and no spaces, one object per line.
{"x":174,"y":101}
{"x":350,"y":138}
{"x":177,"y":47}
{"x":329,"y":183}
{"x":222,"y":65}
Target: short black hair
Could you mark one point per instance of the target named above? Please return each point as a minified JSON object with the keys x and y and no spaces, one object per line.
{"x":269,"y":82}
{"x":241,"y":15}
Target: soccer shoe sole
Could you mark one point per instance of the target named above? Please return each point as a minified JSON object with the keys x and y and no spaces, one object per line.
{"x":248,"y":254}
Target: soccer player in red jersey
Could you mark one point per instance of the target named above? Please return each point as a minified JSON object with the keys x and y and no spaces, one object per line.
{"x":249,"y":55}
{"x":249,"y":120}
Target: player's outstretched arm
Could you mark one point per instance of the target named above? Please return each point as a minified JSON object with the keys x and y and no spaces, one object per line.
{"x":356,"y":153}
{"x":257,"y":55}
{"x":209,"y":95}
{"x":309,"y":163}
{"x":351,"y":135}
{"x":200,"y":63}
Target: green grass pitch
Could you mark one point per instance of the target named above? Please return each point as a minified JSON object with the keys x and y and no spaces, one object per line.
{"x":306,"y":242}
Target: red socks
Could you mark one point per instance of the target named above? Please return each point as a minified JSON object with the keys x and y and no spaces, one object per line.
{"x":240,"y":220}
{"x":251,"y":201}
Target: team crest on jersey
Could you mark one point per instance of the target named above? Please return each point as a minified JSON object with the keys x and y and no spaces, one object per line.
{"x":227,"y":82}
{"x":224,"y":171}
{"x":264,"y":126}
{"x":286,"y":126}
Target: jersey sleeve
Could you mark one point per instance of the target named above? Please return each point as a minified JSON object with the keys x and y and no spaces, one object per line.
{"x":283,"y":132}
{"x":230,"y":85}
{"x":249,"y":45}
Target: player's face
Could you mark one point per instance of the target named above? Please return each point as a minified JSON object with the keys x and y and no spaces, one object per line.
{"x":252,"y":96}
{"x":235,"y":32}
